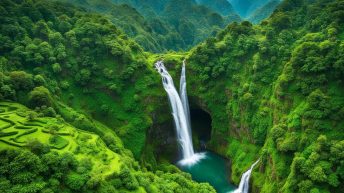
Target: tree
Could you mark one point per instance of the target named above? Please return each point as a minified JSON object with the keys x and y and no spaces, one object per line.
{"x":40,"y":96}
{"x":56,"y":68}
{"x":41,"y":29}
{"x":21,"y":80}
{"x":55,"y":38}
{"x":6,"y":92}
{"x":83,"y":77}
{"x":280,"y":20}
{"x":39,"y":80}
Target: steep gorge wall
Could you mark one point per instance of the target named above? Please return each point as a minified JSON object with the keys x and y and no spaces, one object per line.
{"x":275,"y":91}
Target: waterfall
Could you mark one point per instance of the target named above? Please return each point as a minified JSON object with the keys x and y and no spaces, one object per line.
{"x":180,"y":113}
{"x":245,"y":179}
{"x":184,"y":98}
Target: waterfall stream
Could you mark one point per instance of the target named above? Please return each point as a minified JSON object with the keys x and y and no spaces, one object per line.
{"x":184,"y":98}
{"x":180,"y":113}
{"x":245,"y":180}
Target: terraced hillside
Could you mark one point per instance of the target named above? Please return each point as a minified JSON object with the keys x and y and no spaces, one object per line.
{"x":19,"y":128}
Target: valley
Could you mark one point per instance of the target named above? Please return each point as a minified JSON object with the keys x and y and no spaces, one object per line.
{"x":84,"y":109}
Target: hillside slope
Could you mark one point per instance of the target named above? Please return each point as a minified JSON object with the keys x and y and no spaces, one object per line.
{"x":21,"y":127}
{"x":275,"y":92}
{"x":45,"y":154}
{"x":63,"y":53}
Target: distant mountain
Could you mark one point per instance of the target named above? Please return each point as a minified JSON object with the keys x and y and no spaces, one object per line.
{"x":164,"y":25}
{"x":145,"y":6}
{"x":220,"y":6}
{"x":247,"y":9}
{"x":264,"y":11}
{"x":242,"y":6}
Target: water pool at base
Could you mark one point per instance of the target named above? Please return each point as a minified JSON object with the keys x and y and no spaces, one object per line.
{"x":211,"y":169}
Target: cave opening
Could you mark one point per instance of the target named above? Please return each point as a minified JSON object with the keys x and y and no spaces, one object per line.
{"x":201,"y":127}
{"x":163,"y":135}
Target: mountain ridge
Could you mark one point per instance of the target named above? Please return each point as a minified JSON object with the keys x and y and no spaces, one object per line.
{"x":247,"y":9}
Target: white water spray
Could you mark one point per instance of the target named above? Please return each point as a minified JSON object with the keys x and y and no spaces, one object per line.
{"x":245,"y":179}
{"x":179,"y":110}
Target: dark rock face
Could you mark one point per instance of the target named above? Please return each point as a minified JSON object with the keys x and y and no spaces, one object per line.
{"x":162,"y":137}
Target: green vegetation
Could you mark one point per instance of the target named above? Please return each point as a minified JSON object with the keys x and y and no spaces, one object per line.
{"x":274,"y":91}
{"x":61,"y":158}
{"x":164,"y":25}
{"x":54,"y":55}
{"x":278,"y":85}
{"x":77,"y":55}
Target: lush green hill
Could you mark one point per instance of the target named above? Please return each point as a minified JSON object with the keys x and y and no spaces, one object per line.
{"x":275,"y":91}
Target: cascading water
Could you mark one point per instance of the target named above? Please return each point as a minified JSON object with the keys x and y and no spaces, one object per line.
{"x":184,"y":98}
{"x":245,"y":179}
{"x":179,"y":111}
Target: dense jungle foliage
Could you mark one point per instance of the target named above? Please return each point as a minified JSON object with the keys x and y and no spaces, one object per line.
{"x":95,"y":106}
{"x":279,"y":86}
